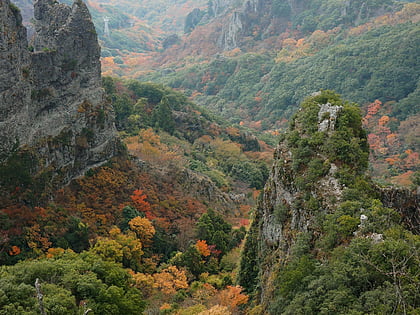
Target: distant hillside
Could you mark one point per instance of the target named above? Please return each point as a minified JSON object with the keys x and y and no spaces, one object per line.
{"x":381,"y":63}
{"x":261,"y":86}
{"x":134,"y":26}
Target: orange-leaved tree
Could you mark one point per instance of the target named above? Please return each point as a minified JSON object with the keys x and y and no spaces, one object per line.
{"x":202,"y":248}
{"x":232,"y":297}
{"x":139,"y":199}
{"x":14,"y":250}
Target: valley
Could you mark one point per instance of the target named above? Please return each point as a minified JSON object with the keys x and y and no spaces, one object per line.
{"x":209,"y":157}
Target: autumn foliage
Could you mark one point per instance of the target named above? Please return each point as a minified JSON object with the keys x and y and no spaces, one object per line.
{"x":144,"y":230}
{"x":14,"y":250}
{"x":232,"y":297}
{"x":170,"y":280}
{"x":393,"y":155}
{"x":203,"y":248}
{"x":139,"y":199}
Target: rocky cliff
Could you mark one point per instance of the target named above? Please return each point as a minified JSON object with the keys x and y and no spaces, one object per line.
{"x":406,"y":202}
{"x":260,"y":19}
{"x":316,"y":186}
{"x":51,"y":102}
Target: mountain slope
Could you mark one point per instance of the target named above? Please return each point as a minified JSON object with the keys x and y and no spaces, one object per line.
{"x":377,"y":60}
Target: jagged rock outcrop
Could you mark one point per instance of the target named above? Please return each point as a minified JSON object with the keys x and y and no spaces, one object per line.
{"x":327,"y":117}
{"x":51,"y":99}
{"x":26,"y":8}
{"x":255,"y":16}
{"x":14,"y":72}
{"x":261,"y":19}
{"x":314,"y":176}
{"x":284,"y":196}
{"x":192,"y":19}
{"x":217,"y":7}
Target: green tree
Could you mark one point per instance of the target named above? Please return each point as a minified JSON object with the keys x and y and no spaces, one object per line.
{"x":190,"y":259}
{"x":162,"y":116}
{"x":66,"y":280}
{"x":129,"y":213}
{"x":215,"y":230}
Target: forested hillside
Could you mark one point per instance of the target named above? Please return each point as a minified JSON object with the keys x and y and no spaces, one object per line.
{"x":260,"y":81}
{"x":158,"y":227}
{"x":231,"y":157}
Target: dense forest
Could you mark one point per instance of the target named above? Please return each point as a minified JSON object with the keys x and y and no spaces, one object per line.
{"x":142,"y":226}
{"x":211,"y":157}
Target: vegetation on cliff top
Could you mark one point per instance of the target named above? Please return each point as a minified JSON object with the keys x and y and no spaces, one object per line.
{"x":355,"y":256}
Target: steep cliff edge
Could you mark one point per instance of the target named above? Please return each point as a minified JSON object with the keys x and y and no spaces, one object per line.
{"x":14,"y":72}
{"x":52,"y":106}
{"x":261,"y":19}
{"x":316,"y":202}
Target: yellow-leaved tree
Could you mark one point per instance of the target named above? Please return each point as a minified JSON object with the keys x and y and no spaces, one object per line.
{"x":170,"y":280}
{"x":144,"y":230}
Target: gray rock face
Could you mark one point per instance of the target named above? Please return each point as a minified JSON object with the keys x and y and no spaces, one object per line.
{"x":261,"y":19}
{"x":14,"y":71}
{"x":217,"y":7}
{"x":192,"y":19}
{"x":243,"y":22}
{"x":327,"y":117}
{"x":284,"y":212}
{"x":51,"y":99}
{"x":281,"y":194}
{"x":405,"y":202}
{"x":229,"y":37}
